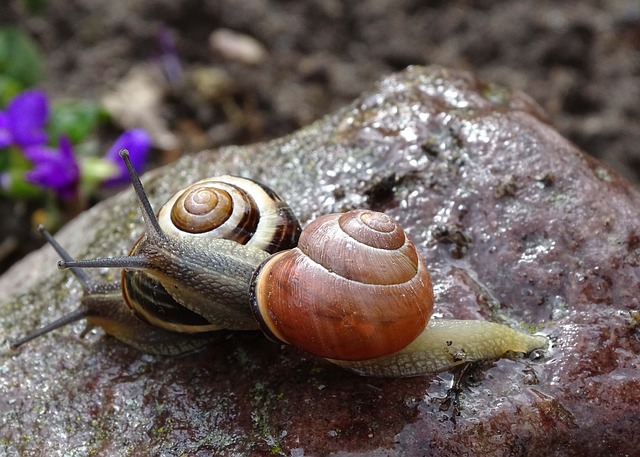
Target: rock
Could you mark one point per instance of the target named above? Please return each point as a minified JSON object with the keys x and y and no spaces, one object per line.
{"x":237,"y":46}
{"x":517,"y":225}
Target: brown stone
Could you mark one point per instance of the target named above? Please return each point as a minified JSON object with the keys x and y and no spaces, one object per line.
{"x":516,"y":224}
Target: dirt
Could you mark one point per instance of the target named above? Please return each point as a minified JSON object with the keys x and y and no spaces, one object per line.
{"x":579,"y":61}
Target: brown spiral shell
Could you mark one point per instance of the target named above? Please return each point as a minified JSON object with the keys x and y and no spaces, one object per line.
{"x":354,"y":289}
{"x":224,"y":207}
{"x":233,"y":208}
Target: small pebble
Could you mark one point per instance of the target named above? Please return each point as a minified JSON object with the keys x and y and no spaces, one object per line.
{"x":237,"y":46}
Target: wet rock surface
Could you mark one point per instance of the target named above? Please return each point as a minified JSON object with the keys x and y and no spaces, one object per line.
{"x":516,"y":224}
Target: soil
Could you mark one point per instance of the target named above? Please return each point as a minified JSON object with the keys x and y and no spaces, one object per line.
{"x":579,"y":60}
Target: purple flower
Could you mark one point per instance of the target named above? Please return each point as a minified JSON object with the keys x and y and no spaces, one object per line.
{"x":138,"y":143}
{"x":5,"y":133}
{"x":169,"y":60}
{"x":54,"y":169}
{"x":22,"y":123}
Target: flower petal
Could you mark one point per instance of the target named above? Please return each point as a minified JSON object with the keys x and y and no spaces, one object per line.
{"x":27,"y":115}
{"x":138,"y":143}
{"x":54,"y":169}
{"x":6,"y":137}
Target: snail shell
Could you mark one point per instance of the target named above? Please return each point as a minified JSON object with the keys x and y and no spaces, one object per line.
{"x":354,"y":289}
{"x":231,"y":208}
{"x":178,"y":292}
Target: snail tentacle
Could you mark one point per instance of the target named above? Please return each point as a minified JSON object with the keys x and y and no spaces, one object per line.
{"x":149,"y":217}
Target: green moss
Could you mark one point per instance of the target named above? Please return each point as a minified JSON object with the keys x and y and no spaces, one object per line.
{"x":317,"y":369}
{"x":263,"y":402}
{"x":603,"y":174}
{"x":166,"y":428}
{"x":496,"y":94}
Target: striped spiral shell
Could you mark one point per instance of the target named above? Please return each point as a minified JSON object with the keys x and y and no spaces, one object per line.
{"x":232,"y":208}
{"x":219,"y":208}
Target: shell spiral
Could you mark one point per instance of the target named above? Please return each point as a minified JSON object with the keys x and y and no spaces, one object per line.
{"x":232,"y":208}
{"x":224,"y":207}
{"x":354,"y":289}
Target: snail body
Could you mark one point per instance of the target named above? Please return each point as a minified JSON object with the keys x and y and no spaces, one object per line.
{"x":446,"y":343}
{"x":228,"y":254}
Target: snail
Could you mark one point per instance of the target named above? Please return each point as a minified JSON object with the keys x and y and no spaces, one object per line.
{"x":228,"y":254}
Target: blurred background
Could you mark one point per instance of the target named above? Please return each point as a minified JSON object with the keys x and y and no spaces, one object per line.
{"x":199,"y":74}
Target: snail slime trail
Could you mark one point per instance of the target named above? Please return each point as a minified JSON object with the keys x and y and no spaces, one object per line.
{"x":227,"y":253}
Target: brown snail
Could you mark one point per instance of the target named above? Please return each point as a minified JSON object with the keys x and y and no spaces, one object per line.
{"x":352,"y":289}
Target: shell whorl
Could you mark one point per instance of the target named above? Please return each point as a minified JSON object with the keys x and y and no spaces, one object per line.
{"x":233,"y":208}
{"x":196,"y":280}
{"x":354,"y":289}
{"x":366,"y":246}
{"x":203,"y":208}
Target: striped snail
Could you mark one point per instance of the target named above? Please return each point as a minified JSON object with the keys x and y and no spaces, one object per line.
{"x":228,"y":254}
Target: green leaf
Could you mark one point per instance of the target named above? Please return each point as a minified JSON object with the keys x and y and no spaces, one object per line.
{"x":4,"y":159}
{"x":9,"y":87}
{"x":76,"y":119}
{"x":20,"y":58}
{"x":21,"y":188}
{"x":94,"y":170}
{"x":35,"y":7}
{"x":18,"y":186}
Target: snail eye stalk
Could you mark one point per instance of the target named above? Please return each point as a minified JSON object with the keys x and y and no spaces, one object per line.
{"x":75,"y":315}
{"x":150,"y":219}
